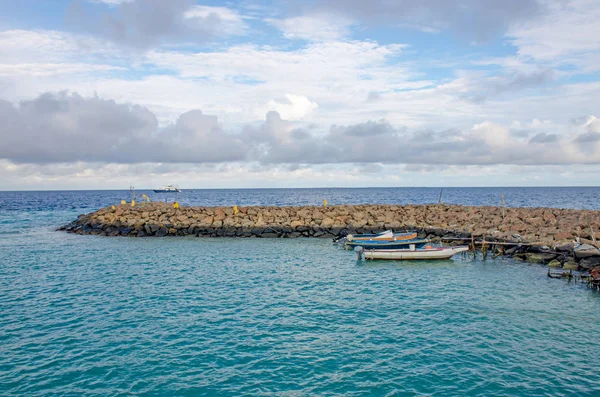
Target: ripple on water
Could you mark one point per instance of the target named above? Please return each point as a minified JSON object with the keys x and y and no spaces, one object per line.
{"x":85,"y":315}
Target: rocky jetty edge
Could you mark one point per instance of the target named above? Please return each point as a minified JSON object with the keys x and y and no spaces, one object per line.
{"x":540,"y":235}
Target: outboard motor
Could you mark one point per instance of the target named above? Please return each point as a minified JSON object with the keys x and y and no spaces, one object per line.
{"x":359,"y":252}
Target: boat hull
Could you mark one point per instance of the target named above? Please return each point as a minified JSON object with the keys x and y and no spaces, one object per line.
{"x":166,"y":191}
{"x":417,"y":254}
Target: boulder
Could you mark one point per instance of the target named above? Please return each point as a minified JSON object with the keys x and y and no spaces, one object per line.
{"x":512,"y":251}
{"x":161,"y":232}
{"x":570,"y":265}
{"x":586,"y":251}
{"x":269,"y":235}
{"x":564,"y":247}
{"x":327,"y":223}
{"x":538,"y":248}
{"x":590,"y":262}
{"x":563,"y":236}
{"x":554,"y":263}
{"x":535,"y":257}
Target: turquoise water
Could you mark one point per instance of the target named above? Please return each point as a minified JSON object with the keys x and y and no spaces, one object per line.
{"x":97,"y":316}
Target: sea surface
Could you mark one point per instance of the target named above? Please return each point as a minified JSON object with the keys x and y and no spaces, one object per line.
{"x":112,"y":316}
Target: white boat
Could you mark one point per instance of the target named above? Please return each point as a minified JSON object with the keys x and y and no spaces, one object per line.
{"x":411,"y":253}
{"x":167,"y":189}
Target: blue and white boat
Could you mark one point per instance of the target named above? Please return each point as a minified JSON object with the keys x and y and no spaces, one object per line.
{"x":386,"y":244}
{"x":388,"y":235}
{"x":167,"y":189}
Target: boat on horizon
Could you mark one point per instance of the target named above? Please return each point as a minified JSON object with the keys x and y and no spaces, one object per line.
{"x":167,"y":189}
{"x":411,"y":253}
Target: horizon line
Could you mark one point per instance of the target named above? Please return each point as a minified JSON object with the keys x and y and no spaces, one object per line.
{"x":304,"y":188}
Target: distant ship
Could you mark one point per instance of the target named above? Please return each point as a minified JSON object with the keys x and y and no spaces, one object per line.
{"x":167,"y":189}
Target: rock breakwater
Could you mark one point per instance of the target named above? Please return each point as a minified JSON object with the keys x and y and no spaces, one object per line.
{"x":541,"y":225}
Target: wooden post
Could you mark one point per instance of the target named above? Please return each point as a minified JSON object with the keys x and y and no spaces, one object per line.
{"x":484,"y":249}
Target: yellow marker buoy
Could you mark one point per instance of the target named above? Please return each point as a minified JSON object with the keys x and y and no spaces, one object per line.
{"x":133,"y":203}
{"x":123,"y":202}
{"x":112,"y":207}
{"x":176,"y":205}
{"x":235,"y":209}
{"x":324,"y":202}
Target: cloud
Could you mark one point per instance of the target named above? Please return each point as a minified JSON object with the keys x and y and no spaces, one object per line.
{"x":588,"y":137}
{"x":111,"y":2}
{"x":224,"y":20}
{"x":479,"y":89}
{"x":53,"y":69}
{"x":380,"y":142}
{"x":544,"y":138}
{"x":292,"y":107}
{"x":51,"y":46}
{"x":64,"y":127}
{"x":143,"y":24}
{"x":314,"y":27}
{"x":566,"y":34}
{"x":68,"y":128}
{"x":473,"y":20}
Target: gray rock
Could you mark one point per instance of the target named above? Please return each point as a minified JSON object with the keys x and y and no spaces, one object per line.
{"x":564,"y":248}
{"x":161,"y":232}
{"x":539,"y":248}
{"x":571,"y":265}
{"x":554,"y":263}
{"x":539,"y":257}
{"x":586,"y":251}
{"x":590,"y":262}
{"x":269,"y":235}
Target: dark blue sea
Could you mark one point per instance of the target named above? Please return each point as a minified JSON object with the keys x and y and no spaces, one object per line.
{"x":112,"y":316}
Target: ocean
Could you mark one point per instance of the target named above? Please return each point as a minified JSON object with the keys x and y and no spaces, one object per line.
{"x":112,"y":316}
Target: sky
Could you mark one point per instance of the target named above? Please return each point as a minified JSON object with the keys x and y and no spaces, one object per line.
{"x":104,"y":94}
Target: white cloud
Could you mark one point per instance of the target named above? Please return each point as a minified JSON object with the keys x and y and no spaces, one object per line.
{"x":567,"y":34}
{"x":143,"y":24}
{"x":292,"y":107}
{"x":53,"y":69}
{"x":314,"y":28}
{"x":111,"y":2}
{"x":475,"y":20}
{"x":63,"y":127}
{"x":46,"y":46}
{"x":67,"y":128}
{"x":231,"y":22}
